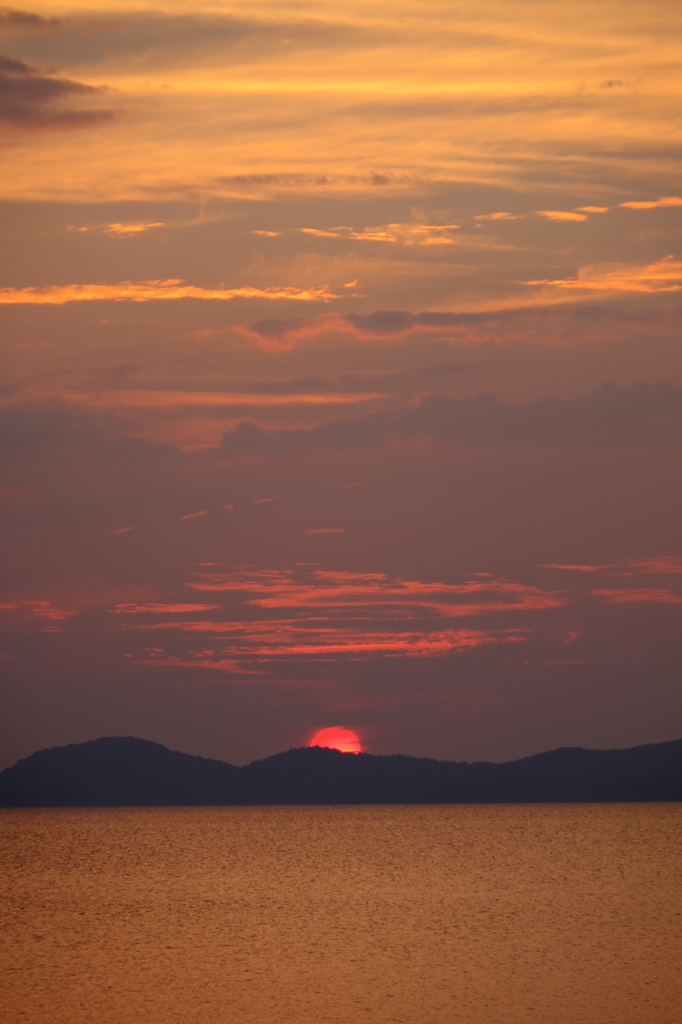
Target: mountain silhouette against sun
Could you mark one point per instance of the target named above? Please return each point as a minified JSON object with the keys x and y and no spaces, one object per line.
{"x":336,"y":737}
{"x":126,"y":771}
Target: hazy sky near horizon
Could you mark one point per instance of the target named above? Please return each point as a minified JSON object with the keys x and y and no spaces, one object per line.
{"x":341,"y":374}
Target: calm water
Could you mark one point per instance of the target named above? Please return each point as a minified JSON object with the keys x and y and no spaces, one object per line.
{"x":534,"y":914}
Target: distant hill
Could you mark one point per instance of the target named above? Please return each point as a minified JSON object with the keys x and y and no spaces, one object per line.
{"x":124,"y":771}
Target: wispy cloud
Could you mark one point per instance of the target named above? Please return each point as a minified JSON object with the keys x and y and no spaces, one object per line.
{"x":647,"y":595}
{"x":403,"y":234}
{"x":662,"y":564}
{"x":561,"y":215}
{"x":575,"y":568}
{"x":14,"y":18}
{"x":665,"y":275}
{"x":28,"y":98}
{"x":538,"y":322}
{"x":40,"y":610}
{"x":132,"y":228}
{"x":163,"y":609}
{"x":500,"y":215}
{"x":149,"y":291}
{"x":654,"y":203}
{"x":346,"y":589}
{"x":139,"y":399}
{"x":612,"y":416}
{"x":317,"y":614}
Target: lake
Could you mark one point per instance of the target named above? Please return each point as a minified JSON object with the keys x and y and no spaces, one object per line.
{"x":486,"y":914}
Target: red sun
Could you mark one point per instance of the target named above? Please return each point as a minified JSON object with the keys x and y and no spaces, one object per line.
{"x":338,"y":739}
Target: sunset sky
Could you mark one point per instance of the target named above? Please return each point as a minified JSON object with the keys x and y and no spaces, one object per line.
{"x":341,"y":374}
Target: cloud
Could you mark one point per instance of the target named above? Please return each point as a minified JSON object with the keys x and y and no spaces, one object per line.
{"x":152,"y":40}
{"x":149,"y":291}
{"x":560,"y":215}
{"x":275,"y":645}
{"x":567,"y":215}
{"x":642,"y":414}
{"x":653,"y":204}
{"x":663,"y":276}
{"x":629,"y":596}
{"x":342,"y":615}
{"x":133,"y":228}
{"x":163,"y":609}
{"x":284,"y":334}
{"x":575,"y":568}
{"x":662,"y":564}
{"x":666,"y":564}
{"x":389,"y":324}
{"x":139,"y":399}
{"x":10,"y":18}
{"x":44,"y":610}
{"x":36,"y":438}
{"x":27,"y":98}
{"x":502,"y":215}
{"x":342,"y":589}
{"x":404,"y":234}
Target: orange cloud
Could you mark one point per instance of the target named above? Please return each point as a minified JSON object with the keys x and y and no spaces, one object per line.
{"x":148,"y":291}
{"x":194,"y":515}
{"x":135,"y":228}
{"x":320,"y":234}
{"x":406,"y":234}
{"x":548,"y":214}
{"x":666,"y":201}
{"x":532,"y":321}
{"x":663,"y":276}
{"x":502,"y":215}
{"x":175,"y":399}
{"x":560,"y":215}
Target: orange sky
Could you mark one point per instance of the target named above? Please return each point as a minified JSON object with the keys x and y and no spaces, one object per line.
{"x":392,"y":291}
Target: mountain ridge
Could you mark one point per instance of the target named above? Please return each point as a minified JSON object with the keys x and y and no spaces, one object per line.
{"x":128,"y":771}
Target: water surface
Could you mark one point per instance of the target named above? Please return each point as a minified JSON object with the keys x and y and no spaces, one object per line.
{"x":514,"y":914}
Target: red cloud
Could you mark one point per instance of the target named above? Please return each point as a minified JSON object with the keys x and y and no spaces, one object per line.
{"x":627,"y":596}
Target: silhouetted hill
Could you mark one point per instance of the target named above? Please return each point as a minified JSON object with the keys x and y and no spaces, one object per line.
{"x":115,"y":771}
{"x":124,"y":771}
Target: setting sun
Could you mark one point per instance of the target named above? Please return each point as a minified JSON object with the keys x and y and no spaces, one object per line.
{"x":338,"y":739}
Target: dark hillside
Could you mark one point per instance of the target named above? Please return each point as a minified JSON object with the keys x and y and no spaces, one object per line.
{"x":118,"y":771}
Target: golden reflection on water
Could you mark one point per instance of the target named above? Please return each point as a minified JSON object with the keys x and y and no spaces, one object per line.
{"x":530,"y":914}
